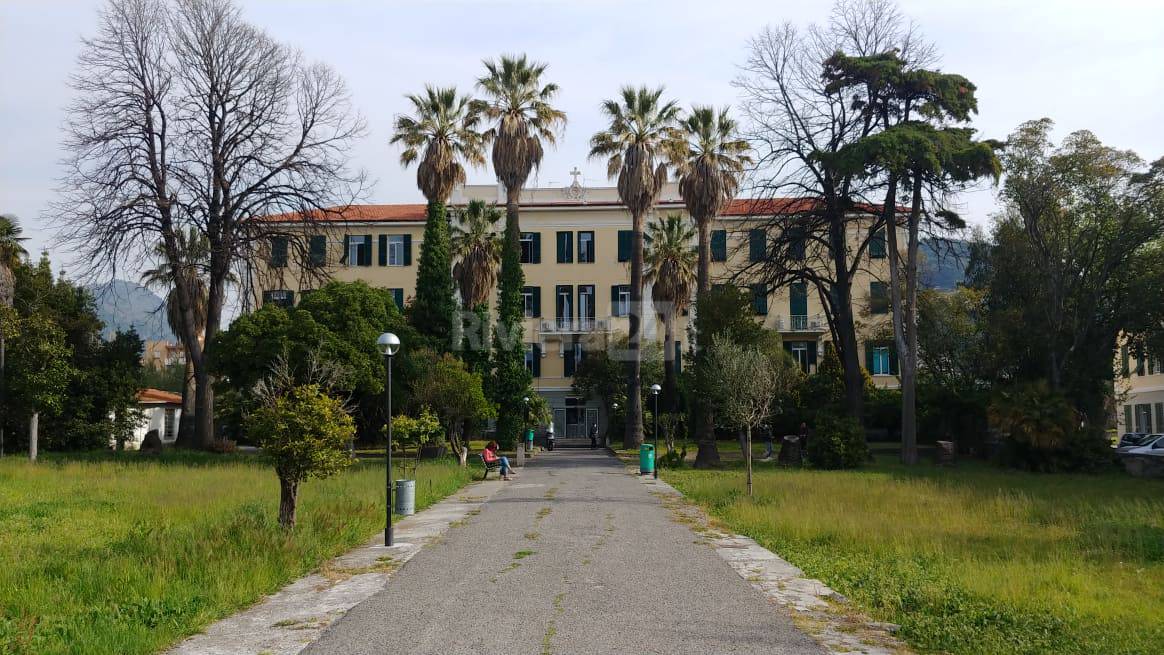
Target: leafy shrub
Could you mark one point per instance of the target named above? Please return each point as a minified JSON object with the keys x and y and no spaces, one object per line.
{"x":1043,"y":432}
{"x":416,"y":433}
{"x":839,"y":442}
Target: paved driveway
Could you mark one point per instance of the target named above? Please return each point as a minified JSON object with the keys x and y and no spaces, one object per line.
{"x":574,"y":556}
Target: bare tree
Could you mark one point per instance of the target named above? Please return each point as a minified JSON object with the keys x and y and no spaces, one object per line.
{"x":186,"y":117}
{"x":818,"y":216}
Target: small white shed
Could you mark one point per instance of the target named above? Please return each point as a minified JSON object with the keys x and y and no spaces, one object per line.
{"x":160,"y":411}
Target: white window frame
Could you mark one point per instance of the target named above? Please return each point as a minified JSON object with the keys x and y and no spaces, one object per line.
{"x":800,"y":355}
{"x":881,"y":360}
{"x":527,"y":303}
{"x":587,"y":238}
{"x":622,"y":305}
{"x":354,"y":243}
{"x":526,"y":244}
{"x":529,"y":358}
{"x":396,"y":250}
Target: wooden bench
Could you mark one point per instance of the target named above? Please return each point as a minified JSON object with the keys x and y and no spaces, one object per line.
{"x":489,"y":466}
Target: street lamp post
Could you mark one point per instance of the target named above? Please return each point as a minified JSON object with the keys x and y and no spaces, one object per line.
{"x":388,"y":344}
{"x":655,"y":389}
{"x":613,"y":411}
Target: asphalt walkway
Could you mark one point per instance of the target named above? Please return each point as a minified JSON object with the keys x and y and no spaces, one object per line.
{"x":574,"y":556}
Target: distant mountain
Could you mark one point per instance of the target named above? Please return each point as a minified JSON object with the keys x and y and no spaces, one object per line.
{"x":943,"y":262}
{"x":122,"y":304}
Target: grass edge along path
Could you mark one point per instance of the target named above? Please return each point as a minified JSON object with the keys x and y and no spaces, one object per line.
{"x":968,"y":561}
{"x":126,"y":554}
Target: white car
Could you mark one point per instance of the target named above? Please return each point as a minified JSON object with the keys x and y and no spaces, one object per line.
{"x":1153,"y":446}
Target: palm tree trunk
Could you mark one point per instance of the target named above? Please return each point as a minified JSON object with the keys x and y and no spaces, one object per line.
{"x":670,"y":385}
{"x":185,"y":436}
{"x":704,"y":420}
{"x":634,"y":398}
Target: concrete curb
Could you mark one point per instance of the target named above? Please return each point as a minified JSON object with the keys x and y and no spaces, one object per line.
{"x":820,"y":612}
{"x":288,"y":621}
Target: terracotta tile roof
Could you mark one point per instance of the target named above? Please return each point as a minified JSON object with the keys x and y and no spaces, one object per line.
{"x":154,"y":396}
{"x":416,"y":212}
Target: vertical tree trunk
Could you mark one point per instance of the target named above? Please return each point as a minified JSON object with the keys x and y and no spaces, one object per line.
{"x":703,"y":419}
{"x":634,"y":398}
{"x":905,"y":312}
{"x":185,"y":436}
{"x":203,"y":408}
{"x":3,"y":391}
{"x":748,"y":458}
{"x":846,"y":332}
{"x":288,"y":502}
{"x":33,"y":436}
{"x":670,"y":379}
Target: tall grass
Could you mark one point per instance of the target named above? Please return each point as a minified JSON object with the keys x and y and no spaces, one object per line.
{"x":970,"y":560}
{"x":127,"y":555}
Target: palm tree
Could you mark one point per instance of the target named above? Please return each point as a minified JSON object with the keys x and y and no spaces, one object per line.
{"x":709,"y":167}
{"x":194,"y":250}
{"x":477,"y":251}
{"x":642,"y":129}
{"x":670,"y":270}
{"x":10,"y":254}
{"x":517,"y":104}
{"x":444,"y":129}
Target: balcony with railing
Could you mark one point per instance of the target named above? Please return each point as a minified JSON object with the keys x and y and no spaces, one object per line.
{"x":811,"y":323}
{"x":573,"y":326}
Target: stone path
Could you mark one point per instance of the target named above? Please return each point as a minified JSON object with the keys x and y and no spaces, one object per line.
{"x":575,"y":556}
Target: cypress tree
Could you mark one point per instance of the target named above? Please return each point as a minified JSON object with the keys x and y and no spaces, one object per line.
{"x":433,"y":310}
{"x":511,"y":379}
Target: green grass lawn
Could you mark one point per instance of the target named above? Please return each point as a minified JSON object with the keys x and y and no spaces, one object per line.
{"x":124,"y":554}
{"x":967,"y":560}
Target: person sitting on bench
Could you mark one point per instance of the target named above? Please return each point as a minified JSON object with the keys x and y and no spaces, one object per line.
{"x":490,"y":455}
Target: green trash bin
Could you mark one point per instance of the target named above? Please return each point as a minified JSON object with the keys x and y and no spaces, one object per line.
{"x":529,"y":442}
{"x":646,"y":459}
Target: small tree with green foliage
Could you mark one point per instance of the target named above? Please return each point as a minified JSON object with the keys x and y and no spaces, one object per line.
{"x":306,"y":434}
{"x":415,"y":433}
{"x":446,"y":384}
{"x":838,"y":443}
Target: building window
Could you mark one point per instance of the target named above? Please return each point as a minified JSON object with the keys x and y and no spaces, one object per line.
{"x":799,"y":351}
{"x":586,"y":306}
{"x":759,"y":299}
{"x":531,"y":248}
{"x":880,"y":360}
{"x":878,"y":298}
{"x":279,"y":252}
{"x":798,"y":244}
{"x":719,"y":245}
{"x":565,"y":247}
{"x":395,"y":243}
{"x":358,"y":250}
{"x":620,"y":300}
{"x":564,"y":307}
{"x":1144,"y":417}
{"x":625,"y":240}
{"x":397,"y":297}
{"x":168,"y":424}
{"x":533,"y":359}
{"x":572,"y":359}
{"x":531,"y":300}
{"x":877,"y":245}
{"x":280,"y":298}
{"x":317,"y":255}
{"x":757,"y":245}
{"x":585,"y":247}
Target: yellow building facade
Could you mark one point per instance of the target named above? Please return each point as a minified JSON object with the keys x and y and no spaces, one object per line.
{"x":575,"y":256}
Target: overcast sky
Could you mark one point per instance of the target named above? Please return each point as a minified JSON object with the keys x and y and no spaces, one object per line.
{"x":1086,"y":64}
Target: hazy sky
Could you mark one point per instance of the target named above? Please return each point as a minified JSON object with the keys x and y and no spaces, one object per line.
{"x":1086,"y":64}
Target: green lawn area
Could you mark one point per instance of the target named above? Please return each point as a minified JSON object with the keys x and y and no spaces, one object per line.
{"x":125,"y":554}
{"x":967,"y":560}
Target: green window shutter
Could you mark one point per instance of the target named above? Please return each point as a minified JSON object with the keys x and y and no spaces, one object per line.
{"x":869,"y":345}
{"x":1124,"y":357}
{"x":397,"y":297}
{"x":536,"y":249}
{"x":347,"y":248}
{"x":892,"y":357}
{"x":1140,"y":363}
{"x":759,"y":299}
{"x":537,"y":361}
{"x":366,"y":251}
{"x":278,"y":252}
{"x":798,"y":246}
{"x":1160,"y":417}
{"x":318,"y":256}
{"x":407,"y":249}
{"x":878,"y":298}
{"x":719,"y":245}
{"x":877,"y":245}
{"x":757,"y":247}
{"x":798,"y":299}
{"x":565,"y":247}
{"x":383,"y":249}
{"x":812,"y":353}
{"x":537,"y":300}
{"x":568,"y":363}
{"x":624,"y":245}
{"x":678,"y":356}
{"x":1128,"y":427}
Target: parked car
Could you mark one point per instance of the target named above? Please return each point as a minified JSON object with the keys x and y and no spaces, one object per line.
{"x":1153,"y":446}
{"x":1131,"y":440}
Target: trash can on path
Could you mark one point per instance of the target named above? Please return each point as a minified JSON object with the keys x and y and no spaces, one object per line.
{"x":646,"y":459}
{"x":529,"y":442}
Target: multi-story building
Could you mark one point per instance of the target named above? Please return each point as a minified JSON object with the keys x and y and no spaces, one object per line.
{"x":575,"y":251}
{"x":1140,"y":392}
{"x":160,"y":354}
